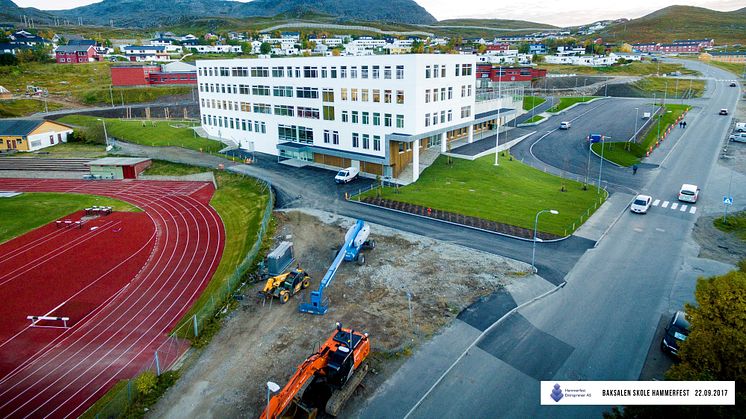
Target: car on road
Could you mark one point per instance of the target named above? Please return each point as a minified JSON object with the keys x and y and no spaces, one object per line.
{"x":733,"y":84}
{"x":346,"y":175}
{"x":739,"y":137}
{"x":565,"y":125}
{"x":689,"y":193}
{"x":723,"y":111}
{"x":676,"y":332}
{"x":641,"y":204}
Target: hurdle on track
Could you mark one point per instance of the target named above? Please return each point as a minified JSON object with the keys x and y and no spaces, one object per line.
{"x":36,"y":319}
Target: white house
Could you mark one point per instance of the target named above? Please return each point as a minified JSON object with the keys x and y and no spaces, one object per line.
{"x":215,"y":49}
{"x":377,"y":113}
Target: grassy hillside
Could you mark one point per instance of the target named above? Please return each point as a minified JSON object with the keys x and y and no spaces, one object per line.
{"x":494,"y":23}
{"x":682,"y":22}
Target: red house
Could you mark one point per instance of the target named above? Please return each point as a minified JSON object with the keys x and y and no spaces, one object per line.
{"x":132,"y":75}
{"x":75,"y":54}
{"x":509,"y":74}
{"x":143,"y":75}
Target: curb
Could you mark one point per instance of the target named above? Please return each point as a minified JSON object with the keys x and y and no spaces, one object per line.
{"x":574,"y":105}
{"x":460,"y":225}
{"x":613,"y":223}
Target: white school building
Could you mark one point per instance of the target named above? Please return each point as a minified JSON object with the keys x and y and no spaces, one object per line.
{"x":377,"y":113}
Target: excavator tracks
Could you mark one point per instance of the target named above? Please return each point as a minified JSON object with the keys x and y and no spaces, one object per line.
{"x":339,"y":397}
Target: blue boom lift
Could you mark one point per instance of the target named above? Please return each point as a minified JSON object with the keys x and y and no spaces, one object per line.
{"x":356,"y":239}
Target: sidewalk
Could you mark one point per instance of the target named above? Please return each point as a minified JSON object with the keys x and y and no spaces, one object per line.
{"x":604,"y":217}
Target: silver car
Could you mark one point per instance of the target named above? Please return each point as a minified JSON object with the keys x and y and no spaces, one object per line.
{"x":641,"y":204}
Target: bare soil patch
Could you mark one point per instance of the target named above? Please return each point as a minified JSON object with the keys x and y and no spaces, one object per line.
{"x":266,"y":342}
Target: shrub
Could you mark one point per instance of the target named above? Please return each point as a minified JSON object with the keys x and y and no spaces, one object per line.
{"x":145,"y":383}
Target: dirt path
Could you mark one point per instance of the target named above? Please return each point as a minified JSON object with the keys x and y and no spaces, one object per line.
{"x":259,"y":343}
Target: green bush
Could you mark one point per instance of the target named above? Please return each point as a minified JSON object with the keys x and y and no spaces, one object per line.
{"x":145,"y":383}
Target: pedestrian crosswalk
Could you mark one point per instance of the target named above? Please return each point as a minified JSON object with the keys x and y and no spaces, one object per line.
{"x":691,"y":209}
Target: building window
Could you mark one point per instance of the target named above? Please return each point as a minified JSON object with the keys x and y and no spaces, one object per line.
{"x":310,"y":72}
{"x":259,"y":90}
{"x":366,"y":141}
{"x":427,"y":72}
{"x":466,"y":111}
{"x":282,"y":91}
{"x":376,"y":119}
{"x":328,"y":113}
{"x":401,"y":147}
{"x":344,"y":93}
{"x":450,"y":115}
{"x":387,"y":72}
{"x":443,"y":71}
{"x":458,"y":70}
{"x":387,"y":96}
{"x":466,"y":69}
{"x":345,"y":117}
{"x":442,"y":117}
{"x":324,"y":72}
{"x":283,"y":110}
{"x":435,"y":118}
{"x":355,"y":140}
{"x":450,"y":93}
{"x":353,"y":72}
{"x":400,"y":97}
{"x":435,"y":95}
{"x":364,"y":71}
{"x":353,"y":95}
{"x":245,"y":107}
{"x":376,"y":143}
{"x":260,"y":127}
{"x":443,"y":94}
{"x":387,"y":120}
{"x":295,"y":134}
{"x":363,"y":95}
{"x":255,"y":71}
{"x":311,"y":113}
{"x":327,"y":95}
{"x":376,"y":74}
{"x":289,"y":72}
{"x":400,"y":121}
{"x":468,"y":90}
{"x":307,"y":92}
{"x":436,"y":71}
{"x":335,"y":137}
{"x":427,"y":95}
{"x":400,"y":72}
{"x":327,"y":136}
{"x":376,"y":95}
{"x":262,"y":108}
{"x":355,"y":118}
{"x":366,"y":118}
{"x":463,"y":90}
{"x":343,"y":72}
{"x":427,"y":119}
{"x":334,"y":72}
{"x":278,"y":72}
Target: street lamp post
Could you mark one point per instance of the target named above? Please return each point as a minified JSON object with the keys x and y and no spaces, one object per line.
{"x":536,"y":224}
{"x":106,"y":136}
{"x":637,"y":115}
{"x":499,"y":97}
{"x":601,"y":166}
{"x":271,"y":387}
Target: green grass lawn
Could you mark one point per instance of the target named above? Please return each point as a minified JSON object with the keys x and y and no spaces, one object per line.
{"x":510,"y":193}
{"x":36,"y":209}
{"x":69,"y":150}
{"x":640,"y":68}
{"x":736,"y":223}
{"x":625,"y":154}
{"x":737,"y":69}
{"x":566,"y":102}
{"x":240,"y":201}
{"x":23,"y":107}
{"x":155,"y":133}
{"x":102,"y":95}
{"x":672,"y":88}
{"x":530,"y":102}
{"x":535,"y":118}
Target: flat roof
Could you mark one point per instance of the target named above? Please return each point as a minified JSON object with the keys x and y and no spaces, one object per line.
{"x":117,"y":161}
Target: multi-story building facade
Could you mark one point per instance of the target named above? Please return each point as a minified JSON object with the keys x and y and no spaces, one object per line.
{"x":377,"y":113}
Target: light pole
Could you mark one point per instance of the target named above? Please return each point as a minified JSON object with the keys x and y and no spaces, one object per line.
{"x":499,"y":96}
{"x":536,"y":224}
{"x":106,"y":137}
{"x":601,"y":166}
{"x":271,"y":387}
{"x":637,"y":115}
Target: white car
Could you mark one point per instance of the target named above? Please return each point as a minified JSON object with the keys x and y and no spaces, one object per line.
{"x":689,"y":193}
{"x":641,"y":204}
{"x":739,"y":137}
{"x":346,"y":175}
{"x":565,"y":125}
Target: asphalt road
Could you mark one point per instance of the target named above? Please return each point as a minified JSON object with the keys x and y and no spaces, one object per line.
{"x":601,"y":325}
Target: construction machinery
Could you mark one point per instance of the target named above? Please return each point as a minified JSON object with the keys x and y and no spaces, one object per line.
{"x":34,"y":91}
{"x":286,"y":285}
{"x":356,"y":240}
{"x":325,"y":380}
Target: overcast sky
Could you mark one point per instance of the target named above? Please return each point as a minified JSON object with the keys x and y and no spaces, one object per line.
{"x":559,"y":13}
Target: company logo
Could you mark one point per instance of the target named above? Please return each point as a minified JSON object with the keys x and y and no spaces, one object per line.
{"x":556,"y":393}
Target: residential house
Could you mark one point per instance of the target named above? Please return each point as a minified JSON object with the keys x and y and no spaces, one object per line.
{"x":177,"y":72}
{"x":76,"y":54}
{"x":25,"y":38}
{"x":13,"y":48}
{"x":539,"y":49}
{"x":31,"y":134}
{"x":215,"y":49}
{"x":141,"y":53}
{"x":737,"y":57}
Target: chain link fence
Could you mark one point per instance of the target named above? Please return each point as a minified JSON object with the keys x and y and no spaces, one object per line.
{"x":118,"y":400}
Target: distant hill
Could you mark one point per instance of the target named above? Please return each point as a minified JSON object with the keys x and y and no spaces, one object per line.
{"x":153,"y":13}
{"x":682,"y":22}
{"x":495,"y":23}
{"x":10,"y":12}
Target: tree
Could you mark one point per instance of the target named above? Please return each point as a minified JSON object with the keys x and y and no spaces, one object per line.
{"x":481,"y":48}
{"x":8,"y":59}
{"x":336,"y":51}
{"x":524,"y":48}
{"x":265,"y":48}
{"x":418,"y":47}
{"x":712,"y":351}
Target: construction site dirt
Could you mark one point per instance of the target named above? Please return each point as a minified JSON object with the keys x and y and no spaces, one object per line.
{"x":409,"y":288}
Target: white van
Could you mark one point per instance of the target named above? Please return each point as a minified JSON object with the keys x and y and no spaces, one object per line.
{"x":688,"y":193}
{"x":346,"y":175}
{"x":739,"y":137}
{"x":740,"y":127}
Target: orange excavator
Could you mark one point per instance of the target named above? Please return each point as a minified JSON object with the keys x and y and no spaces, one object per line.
{"x":325,"y":380}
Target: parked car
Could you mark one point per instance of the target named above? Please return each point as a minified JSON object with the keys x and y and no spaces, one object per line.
{"x":346,"y":175}
{"x":565,"y":125}
{"x":676,"y":332}
{"x":641,"y":204}
{"x":739,"y":137}
{"x":646,"y":115}
{"x":723,"y":111}
{"x":740,"y":127}
{"x":733,"y":84}
{"x":689,"y":193}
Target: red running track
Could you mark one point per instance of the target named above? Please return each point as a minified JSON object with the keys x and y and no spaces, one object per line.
{"x":71,"y":368}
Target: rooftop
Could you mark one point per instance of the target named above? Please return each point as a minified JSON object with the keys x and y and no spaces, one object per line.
{"x":117,"y":161}
{"x":19,"y":127}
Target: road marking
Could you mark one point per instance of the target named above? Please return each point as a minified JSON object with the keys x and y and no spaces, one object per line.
{"x":660,"y":230}
{"x":683,"y":208}
{"x":638,"y":229}
{"x":665,"y":204}
{"x":656,"y":202}
{"x":692,"y":210}
{"x":674,"y":205}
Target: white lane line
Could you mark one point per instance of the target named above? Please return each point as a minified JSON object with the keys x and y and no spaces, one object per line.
{"x":674,"y":205}
{"x":656,"y":202}
{"x":692,"y":210}
{"x":660,"y":230}
{"x":638,"y":229}
{"x":683,"y":208}
{"x":665,"y":204}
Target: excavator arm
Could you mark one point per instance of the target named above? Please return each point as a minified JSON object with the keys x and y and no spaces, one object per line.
{"x":280,"y":402}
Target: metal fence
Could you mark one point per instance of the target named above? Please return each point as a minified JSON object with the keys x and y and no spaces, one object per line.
{"x":178,"y":341}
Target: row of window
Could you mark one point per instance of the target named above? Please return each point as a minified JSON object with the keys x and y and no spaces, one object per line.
{"x":295,"y":134}
{"x":309,"y":72}
{"x":261,"y":90}
{"x":355,"y":118}
{"x":443,"y":117}
{"x":441,"y":93}
{"x":366,"y":141}
{"x":235,"y":123}
{"x":375,"y":95}
{"x":439,"y":70}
